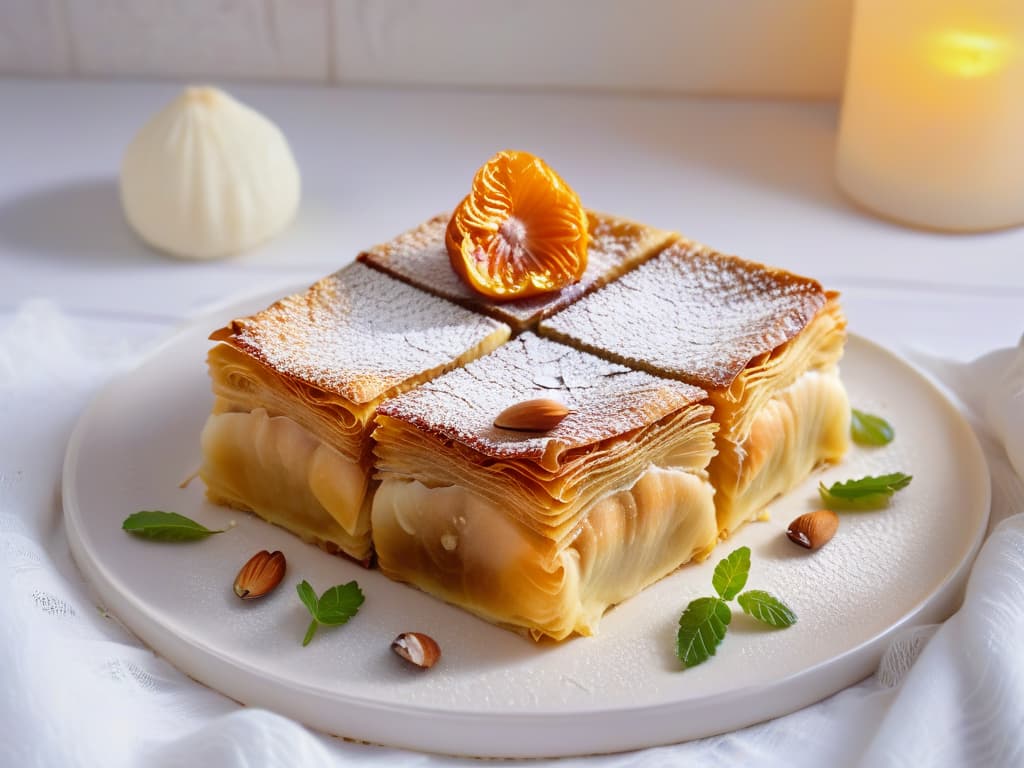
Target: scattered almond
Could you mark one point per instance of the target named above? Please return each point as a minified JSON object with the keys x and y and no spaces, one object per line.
{"x":813,"y":529}
{"x":540,"y":415}
{"x":418,"y":649}
{"x":260,"y":575}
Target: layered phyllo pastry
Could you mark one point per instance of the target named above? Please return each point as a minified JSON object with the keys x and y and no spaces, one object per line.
{"x":296,"y":387}
{"x":658,"y":395}
{"x":763,"y":342}
{"x":488,"y":503}
{"x":420,"y":257}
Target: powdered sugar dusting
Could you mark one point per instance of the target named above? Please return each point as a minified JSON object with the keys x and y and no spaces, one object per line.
{"x":608,"y":399}
{"x":692,"y":314}
{"x":420,"y":257}
{"x":359,"y":333}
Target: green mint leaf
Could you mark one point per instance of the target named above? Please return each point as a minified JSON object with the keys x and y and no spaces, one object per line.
{"x":852,"y":489}
{"x":767,"y":609}
{"x":863,"y":503}
{"x":864,"y":493}
{"x":165,"y":526}
{"x":308,"y":597}
{"x":701,"y":629}
{"x":310,"y":631}
{"x":334,"y":607}
{"x":339,"y":604}
{"x":731,"y":573}
{"x":868,"y":429}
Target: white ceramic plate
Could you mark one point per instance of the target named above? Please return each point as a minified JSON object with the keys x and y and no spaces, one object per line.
{"x":495,"y":693}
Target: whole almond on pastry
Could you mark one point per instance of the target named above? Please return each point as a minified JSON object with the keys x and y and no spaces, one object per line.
{"x":813,"y":529}
{"x":260,"y":575}
{"x":540,"y":415}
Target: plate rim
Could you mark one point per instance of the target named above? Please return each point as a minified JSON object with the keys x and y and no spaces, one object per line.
{"x":814,"y":683}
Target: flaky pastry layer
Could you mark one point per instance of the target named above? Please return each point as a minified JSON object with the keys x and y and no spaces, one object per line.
{"x":467,"y":550}
{"x":818,"y":347}
{"x":548,"y":502}
{"x":805,"y":425}
{"x":620,"y":421}
{"x":242,"y":383}
{"x":272,"y":466}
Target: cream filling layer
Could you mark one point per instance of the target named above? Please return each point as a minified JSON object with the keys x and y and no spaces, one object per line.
{"x":272,"y":466}
{"x":804,"y":425}
{"x":468,"y":551}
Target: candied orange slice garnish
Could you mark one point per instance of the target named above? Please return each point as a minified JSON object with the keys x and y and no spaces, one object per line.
{"x":521,"y":231}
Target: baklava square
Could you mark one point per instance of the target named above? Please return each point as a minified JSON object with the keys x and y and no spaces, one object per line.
{"x":763,"y":342}
{"x":297,"y":386}
{"x":543,"y":531}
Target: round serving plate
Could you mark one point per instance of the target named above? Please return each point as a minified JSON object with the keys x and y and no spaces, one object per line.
{"x":495,"y":693}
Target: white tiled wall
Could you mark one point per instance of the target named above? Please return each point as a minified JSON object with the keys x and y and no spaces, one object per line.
{"x":770,"y":47}
{"x":34,"y":37}
{"x":274,"y":39}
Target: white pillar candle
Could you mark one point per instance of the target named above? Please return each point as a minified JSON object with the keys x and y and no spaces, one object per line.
{"x":932,"y":125}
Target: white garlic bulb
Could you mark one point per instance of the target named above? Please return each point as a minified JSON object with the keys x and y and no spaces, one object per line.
{"x":208,"y":177}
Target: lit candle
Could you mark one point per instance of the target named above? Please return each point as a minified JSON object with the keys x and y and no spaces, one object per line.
{"x":932,"y":125}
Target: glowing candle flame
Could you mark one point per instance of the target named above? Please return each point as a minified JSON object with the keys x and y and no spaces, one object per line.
{"x":969,"y":54}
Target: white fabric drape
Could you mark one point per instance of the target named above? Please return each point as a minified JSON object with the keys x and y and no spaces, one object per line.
{"x":77,"y":689}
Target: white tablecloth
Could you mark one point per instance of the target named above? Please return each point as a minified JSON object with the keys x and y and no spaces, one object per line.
{"x":80,"y":299}
{"x":80,"y":690}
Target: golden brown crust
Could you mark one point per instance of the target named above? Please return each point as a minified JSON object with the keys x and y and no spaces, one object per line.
{"x":442,"y":433}
{"x":361,"y":335}
{"x":692,"y":314}
{"x":606,"y":400}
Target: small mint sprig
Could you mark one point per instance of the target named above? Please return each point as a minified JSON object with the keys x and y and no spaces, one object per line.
{"x":705,"y":621}
{"x":334,"y":607}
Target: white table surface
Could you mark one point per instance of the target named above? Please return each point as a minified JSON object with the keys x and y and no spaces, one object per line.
{"x":748,"y":177}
